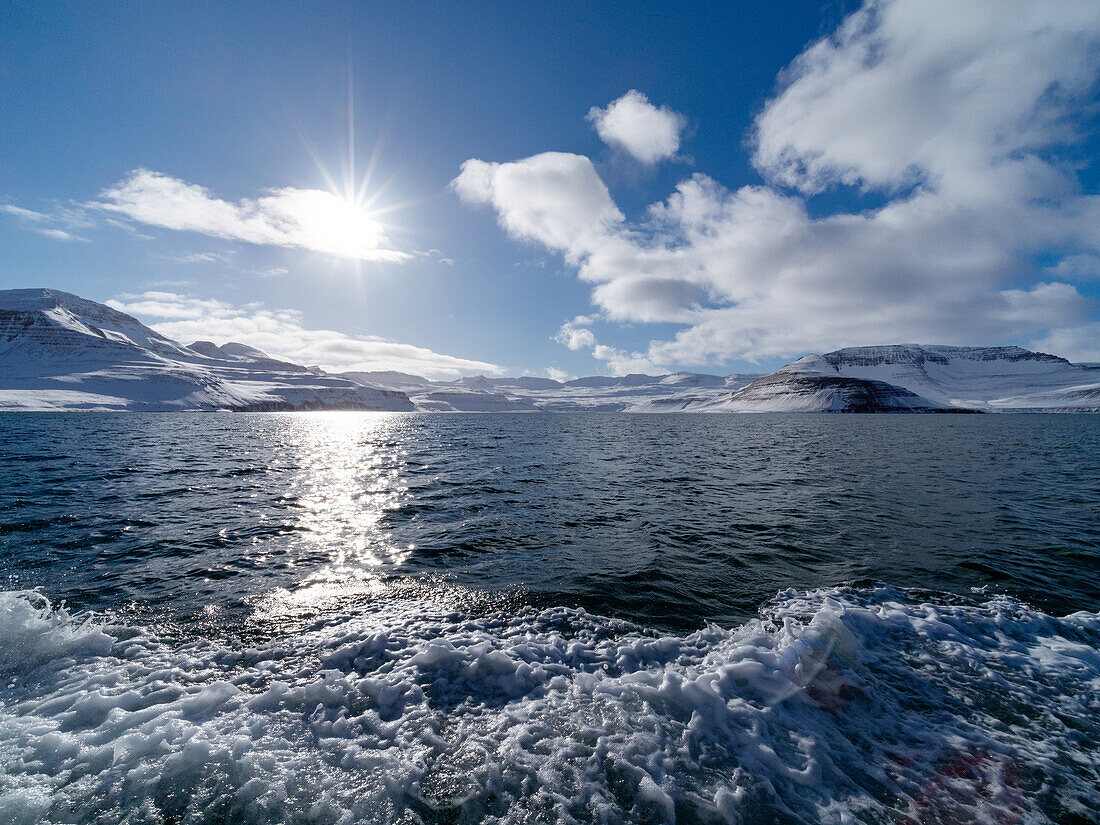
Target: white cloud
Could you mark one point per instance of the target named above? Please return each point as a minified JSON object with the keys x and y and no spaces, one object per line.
{"x":575,"y":337}
{"x":59,"y":234}
{"x":173,"y":306}
{"x":1075,"y":267}
{"x":1080,"y":344}
{"x":961,"y":96}
{"x":964,"y":115}
{"x":435,"y":255}
{"x":126,"y":226}
{"x":269,"y":272}
{"x":554,"y":198}
{"x":23,"y":214}
{"x":626,"y":363}
{"x":558,"y":375}
{"x":297,"y":218}
{"x":227,"y":263}
{"x":635,"y":125}
{"x":1044,"y":305}
{"x":47,"y":224}
{"x":282,"y":334}
{"x":201,"y":258}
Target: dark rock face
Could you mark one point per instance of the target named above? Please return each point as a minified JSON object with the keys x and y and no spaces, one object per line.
{"x":837,"y":394}
{"x":918,"y":356}
{"x":868,"y":396}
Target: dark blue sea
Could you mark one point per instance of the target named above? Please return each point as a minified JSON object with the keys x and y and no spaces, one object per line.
{"x":417,"y":618}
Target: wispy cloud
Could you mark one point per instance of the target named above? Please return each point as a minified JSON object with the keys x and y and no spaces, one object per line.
{"x":23,"y":214}
{"x":201,"y":258}
{"x":46,"y":224}
{"x":126,"y":226}
{"x":226,"y":262}
{"x":270,"y":272}
{"x":297,"y":218}
{"x":532,"y":263}
{"x":436,"y":255}
{"x":963,"y":117}
{"x":60,"y":235}
{"x":282,"y":333}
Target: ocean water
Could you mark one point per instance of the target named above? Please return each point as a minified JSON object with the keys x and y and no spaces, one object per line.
{"x":350,"y":617}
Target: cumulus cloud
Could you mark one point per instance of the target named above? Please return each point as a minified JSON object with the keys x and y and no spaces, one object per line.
{"x":555,"y":198}
{"x":965,"y":116}
{"x":575,"y":337}
{"x":636,"y":126}
{"x":282,"y":333}
{"x":621,"y":362}
{"x":297,"y":218}
{"x":960,"y":96}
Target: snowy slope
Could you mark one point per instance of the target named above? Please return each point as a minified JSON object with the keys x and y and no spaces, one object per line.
{"x":593,"y":394}
{"x":899,"y":378}
{"x":803,"y":387}
{"x":472,"y":401}
{"x":792,"y":392}
{"x":988,"y":378}
{"x":908,"y":377}
{"x":62,"y":352}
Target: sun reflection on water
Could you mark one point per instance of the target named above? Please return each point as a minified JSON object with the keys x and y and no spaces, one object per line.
{"x":347,"y":475}
{"x":350,"y":477}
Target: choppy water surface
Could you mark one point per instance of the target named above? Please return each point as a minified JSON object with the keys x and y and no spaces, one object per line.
{"x":549,"y":618}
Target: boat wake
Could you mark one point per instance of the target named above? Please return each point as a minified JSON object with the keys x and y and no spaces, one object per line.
{"x":838,"y":705}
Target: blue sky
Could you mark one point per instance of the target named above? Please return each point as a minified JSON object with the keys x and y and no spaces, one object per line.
{"x":560,"y":188}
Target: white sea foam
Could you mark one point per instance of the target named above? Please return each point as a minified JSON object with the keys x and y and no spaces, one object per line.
{"x":835,"y":706}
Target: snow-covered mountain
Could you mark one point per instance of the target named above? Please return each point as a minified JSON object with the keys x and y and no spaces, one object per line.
{"x":62,"y":352}
{"x":987,"y":378}
{"x":600,"y":393}
{"x":794,"y":392}
{"x":913,"y":378}
{"x":898,"y":378}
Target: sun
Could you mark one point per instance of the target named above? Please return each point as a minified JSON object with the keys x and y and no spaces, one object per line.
{"x":335,"y":224}
{"x":343,"y":219}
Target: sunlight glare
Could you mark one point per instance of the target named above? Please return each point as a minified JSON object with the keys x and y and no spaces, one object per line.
{"x":337,"y":224}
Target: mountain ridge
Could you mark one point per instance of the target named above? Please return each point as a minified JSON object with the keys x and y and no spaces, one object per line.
{"x":59,"y":351}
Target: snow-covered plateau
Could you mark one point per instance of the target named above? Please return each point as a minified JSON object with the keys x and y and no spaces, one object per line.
{"x":62,"y":352}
